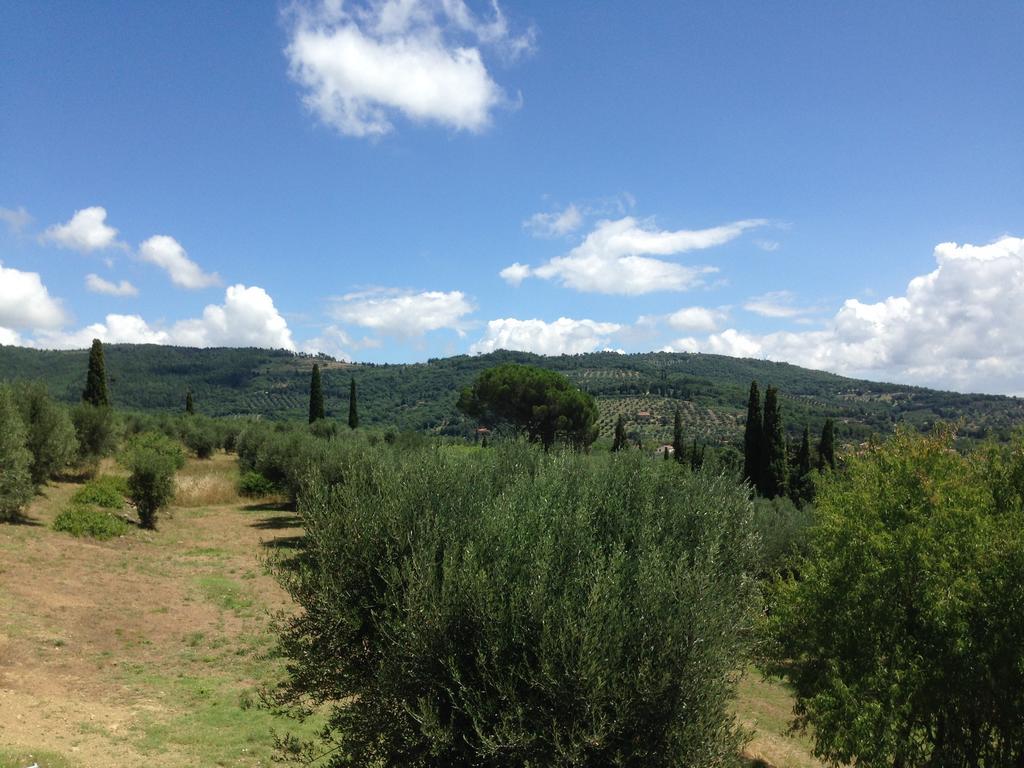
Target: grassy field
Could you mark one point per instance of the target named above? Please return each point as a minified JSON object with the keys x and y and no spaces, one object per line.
{"x":149,"y":649}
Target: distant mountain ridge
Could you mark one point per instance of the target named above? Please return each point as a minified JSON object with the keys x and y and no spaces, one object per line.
{"x":645,"y":388}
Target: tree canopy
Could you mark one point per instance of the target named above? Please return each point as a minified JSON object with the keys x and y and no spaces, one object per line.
{"x":543,"y":404}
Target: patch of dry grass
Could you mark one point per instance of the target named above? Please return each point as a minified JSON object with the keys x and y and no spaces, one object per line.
{"x":207,"y":483}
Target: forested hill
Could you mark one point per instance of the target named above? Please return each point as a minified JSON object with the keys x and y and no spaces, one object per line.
{"x":646,"y":388}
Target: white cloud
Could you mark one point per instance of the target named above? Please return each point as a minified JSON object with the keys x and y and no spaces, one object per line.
{"x":404,"y":313}
{"x":16,"y":219}
{"x":333,"y":341}
{"x":563,"y":336}
{"x":685,"y":344}
{"x":768,"y":245}
{"x":97,"y":284}
{"x":778,"y":304}
{"x":697,"y":319}
{"x":247,"y":318}
{"x":25,"y":302}
{"x":615,"y":258}
{"x":514,"y":274}
{"x":10,"y":338}
{"x":956,"y":327}
{"x":359,"y":65}
{"x":86,"y":231}
{"x":168,"y":254}
{"x":554,"y":224}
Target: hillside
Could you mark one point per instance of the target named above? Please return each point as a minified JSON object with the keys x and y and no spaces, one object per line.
{"x":646,"y":388}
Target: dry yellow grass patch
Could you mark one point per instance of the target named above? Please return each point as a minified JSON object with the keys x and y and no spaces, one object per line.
{"x":207,"y":483}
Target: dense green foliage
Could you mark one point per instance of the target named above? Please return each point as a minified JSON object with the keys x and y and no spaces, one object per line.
{"x":50,"y":433}
{"x":97,"y":429}
{"x":316,"y":395}
{"x":107,"y":491}
{"x":95,"y":392}
{"x":903,"y":636}
{"x":619,"y":440}
{"x":84,"y":520}
{"x":353,"y":407}
{"x":752,"y":438}
{"x":774,"y":471}
{"x":543,"y":404}
{"x":711,"y":389}
{"x":507,"y":607}
{"x":152,"y":460}
{"x":827,"y":446}
{"x":15,"y":459}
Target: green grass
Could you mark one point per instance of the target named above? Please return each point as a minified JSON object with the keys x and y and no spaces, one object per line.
{"x":80,"y":520}
{"x":225,"y":593}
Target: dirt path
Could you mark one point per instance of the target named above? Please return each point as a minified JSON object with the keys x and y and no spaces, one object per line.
{"x":145,"y":650}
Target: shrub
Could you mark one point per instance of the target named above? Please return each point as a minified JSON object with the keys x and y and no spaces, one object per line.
{"x":16,"y":487}
{"x":503,"y":608}
{"x":784,"y":529}
{"x":50,"y":432}
{"x":152,"y":459}
{"x":107,"y":491}
{"x":83,"y":520}
{"x":201,"y":437}
{"x":97,"y":430}
{"x":903,"y":636}
{"x":253,"y":485}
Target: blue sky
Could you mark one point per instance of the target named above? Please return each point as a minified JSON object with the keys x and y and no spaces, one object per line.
{"x":836,"y":185}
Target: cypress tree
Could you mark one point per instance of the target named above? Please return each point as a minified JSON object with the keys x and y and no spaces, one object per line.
{"x":752,"y":438}
{"x":353,"y":413}
{"x":190,"y":406}
{"x":619,"y":440}
{"x":827,"y":447}
{"x":316,"y":395}
{"x":803,"y":457}
{"x":696,"y":459}
{"x":677,"y":437}
{"x":801,"y":487}
{"x":773,"y":447}
{"x":95,"y":392}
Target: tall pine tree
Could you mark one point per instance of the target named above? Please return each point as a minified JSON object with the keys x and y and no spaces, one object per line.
{"x":190,"y":405}
{"x":801,"y":487}
{"x":774,"y":466}
{"x":678,"y":449}
{"x":353,"y":413}
{"x":619,"y":440}
{"x":95,"y":392}
{"x":316,"y":395}
{"x":827,"y":447}
{"x":752,"y":438}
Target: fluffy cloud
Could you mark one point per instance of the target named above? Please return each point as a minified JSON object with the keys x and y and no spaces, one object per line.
{"x":404,"y":313}
{"x":333,"y":341}
{"x":25,"y":302}
{"x":10,"y":338}
{"x":697,"y":319}
{"x":247,"y":318}
{"x":97,"y":284}
{"x":956,"y":327}
{"x":17,"y":219}
{"x":563,"y":336}
{"x":359,"y":65}
{"x":616,"y":257}
{"x":554,"y":224}
{"x":86,"y":231}
{"x":514,"y":274}
{"x":168,"y":254}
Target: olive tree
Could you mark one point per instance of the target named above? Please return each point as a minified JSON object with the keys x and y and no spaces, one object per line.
{"x":152,"y":460}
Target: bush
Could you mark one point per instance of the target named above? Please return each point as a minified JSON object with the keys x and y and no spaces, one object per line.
{"x":503,"y":608}
{"x":51,"y":433}
{"x":253,"y":485}
{"x":903,"y":636}
{"x":201,"y":437}
{"x":784,"y":529}
{"x":107,"y":491}
{"x":82,"y":520}
{"x":97,"y":430}
{"x":16,"y":487}
{"x":152,"y":459}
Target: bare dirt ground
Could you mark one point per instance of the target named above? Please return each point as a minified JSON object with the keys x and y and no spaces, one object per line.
{"x":142,"y":650}
{"x":149,"y":649}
